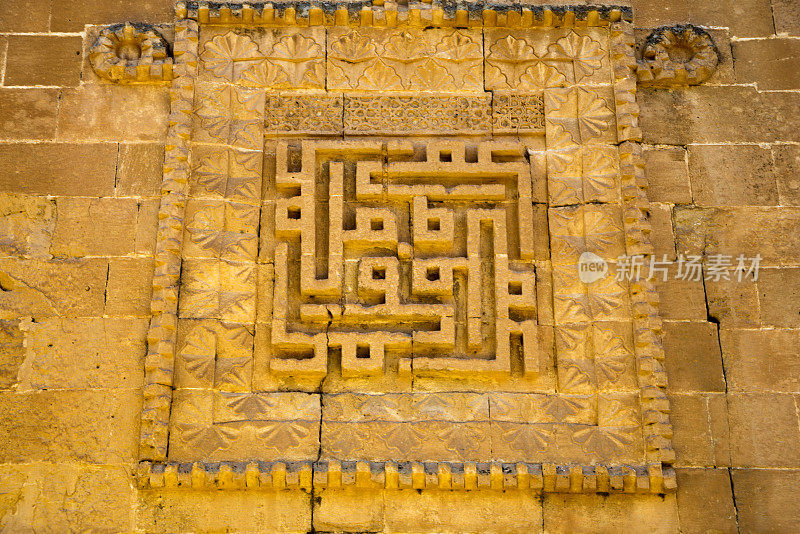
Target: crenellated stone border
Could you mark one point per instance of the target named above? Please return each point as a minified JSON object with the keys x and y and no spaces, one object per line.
{"x":388,"y":13}
{"x":656,"y":477}
{"x":446,"y":476}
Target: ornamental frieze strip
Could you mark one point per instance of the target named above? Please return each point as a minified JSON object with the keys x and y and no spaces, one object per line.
{"x":369,"y":257}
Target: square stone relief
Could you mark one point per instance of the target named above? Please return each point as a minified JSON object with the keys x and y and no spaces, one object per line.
{"x":368,"y":256}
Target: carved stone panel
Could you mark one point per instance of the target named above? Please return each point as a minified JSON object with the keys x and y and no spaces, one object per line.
{"x":368,"y":258}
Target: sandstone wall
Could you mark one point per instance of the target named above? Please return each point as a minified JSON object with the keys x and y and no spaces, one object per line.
{"x":80,"y":169}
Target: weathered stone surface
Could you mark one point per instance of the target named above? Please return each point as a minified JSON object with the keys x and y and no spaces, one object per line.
{"x":748,"y":18}
{"x":787,"y":173}
{"x":693,"y":358}
{"x":732,"y":175}
{"x":69,"y":16}
{"x":12,"y":352}
{"x":113,"y":113}
{"x":764,"y":430}
{"x":716,"y":114}
{"x":762,"y":360}
{"x":786,"y":14}
{"x":779,"y":297}
{"x":662,"y":236}
{"x":83,"y":353}
{"x":667,"y":175}
{"x":771,"y":63}
{"x":705,"y":501}
{"x":72,"y":288}
{"x":59,"y":168}
{"x":57,"y":426}
{"x":83,"y":224}
{"x":26,"y":225}
{"x":130,"y":284}
{"x":266,"y":511}
{"x":681,"y":299}
{"x":701,"y":430}
{"x":147,"y":225}
{"x":23,"y":16}
{"x":607,"y":514}
{"x":407,"y":511}
{"x":764,"y":499}
{"x":47,"y":497}
{"x":349,"y":510}
{"x":57,"y":58}
{"x":28,"y":113}
{"x":740,"y":230}
{"x":733,"y":303}
{"x":139,"y":169}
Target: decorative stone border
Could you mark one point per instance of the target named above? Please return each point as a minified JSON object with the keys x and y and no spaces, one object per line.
{"x":131,"y":52}
{"x":447,"y":476}
{"x":388,"y":13}
{"x":678,"y":55}
{"x":657,"y":476}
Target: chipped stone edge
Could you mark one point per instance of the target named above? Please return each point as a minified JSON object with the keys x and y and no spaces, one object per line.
{"x":657,"y":477}
{"x":389,"y":13}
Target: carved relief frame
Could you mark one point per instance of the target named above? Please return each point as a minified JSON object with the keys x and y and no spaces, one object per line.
{"x":338,"y":178}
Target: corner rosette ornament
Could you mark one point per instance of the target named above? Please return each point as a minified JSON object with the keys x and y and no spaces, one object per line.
{"x":131,"y":53}
{"x":678,"y":55}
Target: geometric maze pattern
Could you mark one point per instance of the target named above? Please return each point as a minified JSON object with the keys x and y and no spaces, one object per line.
{"x":407,"y":299}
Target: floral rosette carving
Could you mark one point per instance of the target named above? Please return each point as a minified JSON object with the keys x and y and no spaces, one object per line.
{"x":130,"y":53}
{"x":678,"y":55}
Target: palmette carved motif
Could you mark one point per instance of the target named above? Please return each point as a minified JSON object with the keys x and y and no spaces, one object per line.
{"x":403,"y":310}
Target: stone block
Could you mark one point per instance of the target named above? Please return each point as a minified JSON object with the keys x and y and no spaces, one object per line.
{"x":66,"y":498}
{"x":786,"y":14}
{"x":71,"y":288}
{"x":609,"y":514}
{"x":28,"y":113}
{"x":147,"y":225}
{"x":113,"y":113}
{"x":741,"y":230}
{"x":745,"y":18}
{"x":71,"y":16}
{"x":766,"y":500}
{"x":762,"y":360}
{"x":779,"y":297}
{"x":349,"y":510}
{"x":681,"y":299}
{"x":716,"y":114}
{"x":485,"y":511}
{"x":771,"y":63}
{"x":139,"y":169}
{"x":705,"y":501}
{"x":700,"y":425}
{"x":95,"y":227}
{"x":787,"y":173}
{"x":764,"y":430}
{"x":12,"y":353}
{"x":60,"y":426}
{"x":667,"y":175}
{"x":130,"y":285}
{"x":26,"y":225}
{"x":662,"y":236}
{"x":43,"y":60}
{"x":732,"y":175}
{"x":59,"y":168}
{"x":95,"y":353}
{"x":693,"y":358}
{"x":733,"y":303}
{"x":22,"y":16}
{"x":221,"y":511}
